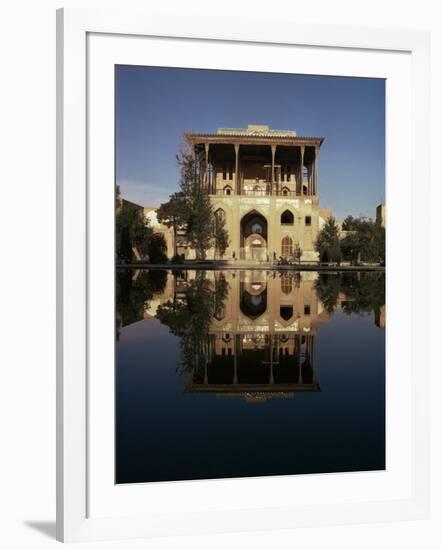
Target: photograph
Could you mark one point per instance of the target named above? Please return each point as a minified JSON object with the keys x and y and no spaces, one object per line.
{"x":230,"y":215}
{"x":250,"y":222}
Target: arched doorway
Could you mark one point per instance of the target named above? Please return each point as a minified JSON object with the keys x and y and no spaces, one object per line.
{"x":253,"y":299}
{"x":254,"y":237}
{"x":286,"y":247}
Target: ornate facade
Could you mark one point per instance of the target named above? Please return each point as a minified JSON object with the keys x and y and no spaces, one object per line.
{"x":264,"y":183}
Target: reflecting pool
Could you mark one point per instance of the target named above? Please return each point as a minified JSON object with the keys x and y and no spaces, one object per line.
{"x":248,"y":373}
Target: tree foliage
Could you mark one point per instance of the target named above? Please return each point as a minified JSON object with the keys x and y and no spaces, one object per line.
{"x":131,"y":230}
{"x":328,"y":243}
{"x":328,"y":289}
{"x":360,"y":292}
{"x":157,"y":249}
{"x":349,"y":223}
{"x":365,"y":242}
{"x":200,"y":223}
{"x":190,"y":318}
{"x":173,"y":214}
{"x":134,"y":294}
{"x":191,"y":210}
{"x":220,"y":234}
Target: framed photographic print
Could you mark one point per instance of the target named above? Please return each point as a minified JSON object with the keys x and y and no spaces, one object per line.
{"x":241,"y":236}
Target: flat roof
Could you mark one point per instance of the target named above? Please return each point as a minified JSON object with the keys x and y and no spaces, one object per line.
{"x":253,"y":134}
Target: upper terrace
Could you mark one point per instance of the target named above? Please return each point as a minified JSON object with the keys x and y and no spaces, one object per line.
{"x":257,"y":160}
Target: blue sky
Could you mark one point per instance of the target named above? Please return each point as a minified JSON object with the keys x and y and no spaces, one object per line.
{"x":154,"y":106}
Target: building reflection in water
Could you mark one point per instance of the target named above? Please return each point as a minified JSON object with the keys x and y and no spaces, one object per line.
{"x":261,"y":340}
{"x":248,"y":334}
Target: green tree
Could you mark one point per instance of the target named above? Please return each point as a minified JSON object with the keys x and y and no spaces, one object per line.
{"x":157,"y":249}
{"x":131,"y":230}
{"x":200,"y":223}
{"x":173,"y":214}
{"x":365,"y":242}
{"x":192,"y":210}
{"x":349,"y":223}
{"x":328,"y":243}
{"x":220,"y":234}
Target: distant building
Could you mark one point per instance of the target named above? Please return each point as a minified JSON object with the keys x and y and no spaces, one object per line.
{"x":124,"y":203}
{"x":150,"y":214}
{"x":166,"y":232}
{"x":381,"y":215}
{"x":380,"y":316}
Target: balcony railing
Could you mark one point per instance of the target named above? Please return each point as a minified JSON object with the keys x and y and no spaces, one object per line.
{"x":258,"y":193}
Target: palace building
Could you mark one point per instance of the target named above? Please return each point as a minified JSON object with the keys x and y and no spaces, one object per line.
{"x":264,"y":183}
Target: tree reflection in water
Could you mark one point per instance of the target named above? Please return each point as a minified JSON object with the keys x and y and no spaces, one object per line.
{"x":359,"y":292}
{"x":134,"y":290}
{"x":196,"y":301}
{"x":247,"y":333}
{"x":278,"y":373}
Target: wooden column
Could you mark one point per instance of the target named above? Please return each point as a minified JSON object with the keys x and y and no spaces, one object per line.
{"x":273,"y":156}
{"x":315,"y":192}
{"x":310,"y":192}
{"x":302,"y":154}
{"x":196,"y":182}
{"x":236,"y":170}
{"x":207,"y":151}
{"x":212,"y":175}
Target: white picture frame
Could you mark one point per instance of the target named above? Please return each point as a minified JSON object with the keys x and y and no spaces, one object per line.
{"x":76,"y":215}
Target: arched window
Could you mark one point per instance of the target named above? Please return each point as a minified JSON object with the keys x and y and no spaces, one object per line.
{"x":227,"y":190}
{"x":287,"y":218}
{"x":285,"y":191}
{"x":286,"y":312}
{"x":286,"y":247}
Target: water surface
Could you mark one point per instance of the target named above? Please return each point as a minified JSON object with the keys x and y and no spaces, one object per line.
{"x":248,"y":373}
